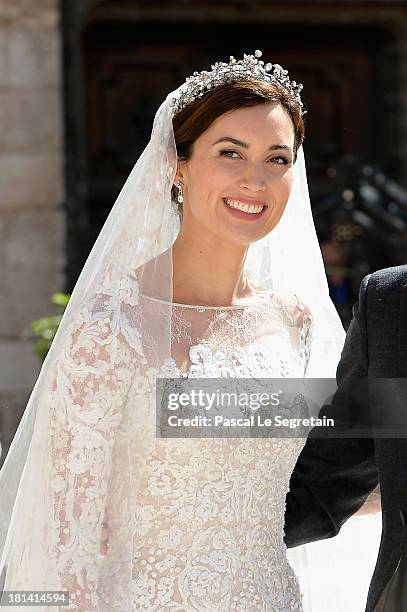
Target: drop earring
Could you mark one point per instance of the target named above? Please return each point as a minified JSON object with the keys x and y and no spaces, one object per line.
{"x":180,"y":192}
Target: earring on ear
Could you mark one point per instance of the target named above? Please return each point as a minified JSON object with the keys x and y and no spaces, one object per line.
{"x":180,"y":192}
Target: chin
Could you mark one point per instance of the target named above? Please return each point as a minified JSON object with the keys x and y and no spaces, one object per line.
{"x":240,"y":238}
{"x":237,"y":239}
{"x":242,"y":232}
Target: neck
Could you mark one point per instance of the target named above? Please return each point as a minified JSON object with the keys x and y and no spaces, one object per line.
{"x":208,"y":272}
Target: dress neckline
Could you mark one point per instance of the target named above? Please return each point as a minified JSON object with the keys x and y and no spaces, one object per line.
{"x":200,"y":307}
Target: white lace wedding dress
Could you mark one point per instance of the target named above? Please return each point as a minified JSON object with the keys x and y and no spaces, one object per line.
{"x":194,"y":524}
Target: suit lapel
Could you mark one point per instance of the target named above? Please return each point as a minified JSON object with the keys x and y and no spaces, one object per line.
{"x":402,"y":442}
{"x":403,"y":333}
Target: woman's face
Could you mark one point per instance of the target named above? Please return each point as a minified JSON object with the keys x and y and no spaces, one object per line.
{"x":239,"y":177}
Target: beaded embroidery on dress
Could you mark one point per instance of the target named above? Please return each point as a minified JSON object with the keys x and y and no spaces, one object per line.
{"x":194,"y":524}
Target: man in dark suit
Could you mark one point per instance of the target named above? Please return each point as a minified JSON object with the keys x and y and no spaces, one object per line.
{"x":333,"y":477}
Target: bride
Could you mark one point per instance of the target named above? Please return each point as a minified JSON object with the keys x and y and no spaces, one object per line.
{"x":208,"y":266}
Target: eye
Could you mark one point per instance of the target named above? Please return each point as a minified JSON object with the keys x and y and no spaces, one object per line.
{"x":229,"y":153}
{"x":281,"y":158}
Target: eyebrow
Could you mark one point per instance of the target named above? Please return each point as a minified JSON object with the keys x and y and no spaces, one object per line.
{"x":246,"y":146}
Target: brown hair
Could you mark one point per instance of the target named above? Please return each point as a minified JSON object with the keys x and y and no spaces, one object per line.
{"x":195,"y":118}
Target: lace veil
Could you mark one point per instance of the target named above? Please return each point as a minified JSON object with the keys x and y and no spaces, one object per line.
{"x":89,"y":378}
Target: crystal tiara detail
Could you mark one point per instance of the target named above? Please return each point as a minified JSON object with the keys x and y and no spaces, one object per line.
{"x":250,"y":66}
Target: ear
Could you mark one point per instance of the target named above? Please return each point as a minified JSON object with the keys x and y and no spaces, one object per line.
{"x":180,"y":173}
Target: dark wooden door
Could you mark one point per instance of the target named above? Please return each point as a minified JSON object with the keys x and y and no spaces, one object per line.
{"x":129,"y":69}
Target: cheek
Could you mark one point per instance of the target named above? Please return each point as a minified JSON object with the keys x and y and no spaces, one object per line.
{"x":282,"y":187}
{"x":206,"y":182}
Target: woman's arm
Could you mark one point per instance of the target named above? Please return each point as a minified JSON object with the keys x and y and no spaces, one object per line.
{"x":89,"y":388}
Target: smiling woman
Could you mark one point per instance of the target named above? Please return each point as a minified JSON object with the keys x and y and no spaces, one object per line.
{"x":195,"y":118}
{"x":95,"y":501}
{"x":236,"y":149}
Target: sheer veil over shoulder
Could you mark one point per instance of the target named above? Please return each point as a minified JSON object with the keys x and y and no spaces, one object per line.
{"x":193,"y":524}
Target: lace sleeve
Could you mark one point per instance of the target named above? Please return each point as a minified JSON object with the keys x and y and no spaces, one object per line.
{"x":89,"y":387}
{"x":301,"y":323}
{"x":306,"y":327}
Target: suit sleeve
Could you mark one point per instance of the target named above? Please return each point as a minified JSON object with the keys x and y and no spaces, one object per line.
{"x":333,"y":477}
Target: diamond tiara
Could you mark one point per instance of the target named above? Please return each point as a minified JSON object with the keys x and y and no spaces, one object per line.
{"x":250,"y":66}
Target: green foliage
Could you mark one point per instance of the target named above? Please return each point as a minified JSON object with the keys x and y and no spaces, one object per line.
{"x":44,"y":329}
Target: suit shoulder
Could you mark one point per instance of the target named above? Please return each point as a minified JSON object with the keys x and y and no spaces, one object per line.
{"x":388,"y":281}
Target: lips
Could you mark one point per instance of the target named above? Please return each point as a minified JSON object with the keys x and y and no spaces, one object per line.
{"x":244,"y":208}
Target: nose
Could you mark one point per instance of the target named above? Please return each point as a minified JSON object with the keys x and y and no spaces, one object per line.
{"x":253,"y":178}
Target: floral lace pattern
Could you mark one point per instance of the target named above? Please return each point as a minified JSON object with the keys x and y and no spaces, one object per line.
{"x":193,"y":524}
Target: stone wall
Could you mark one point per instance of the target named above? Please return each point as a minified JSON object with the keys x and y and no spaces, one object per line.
{"x":31,"y":194}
